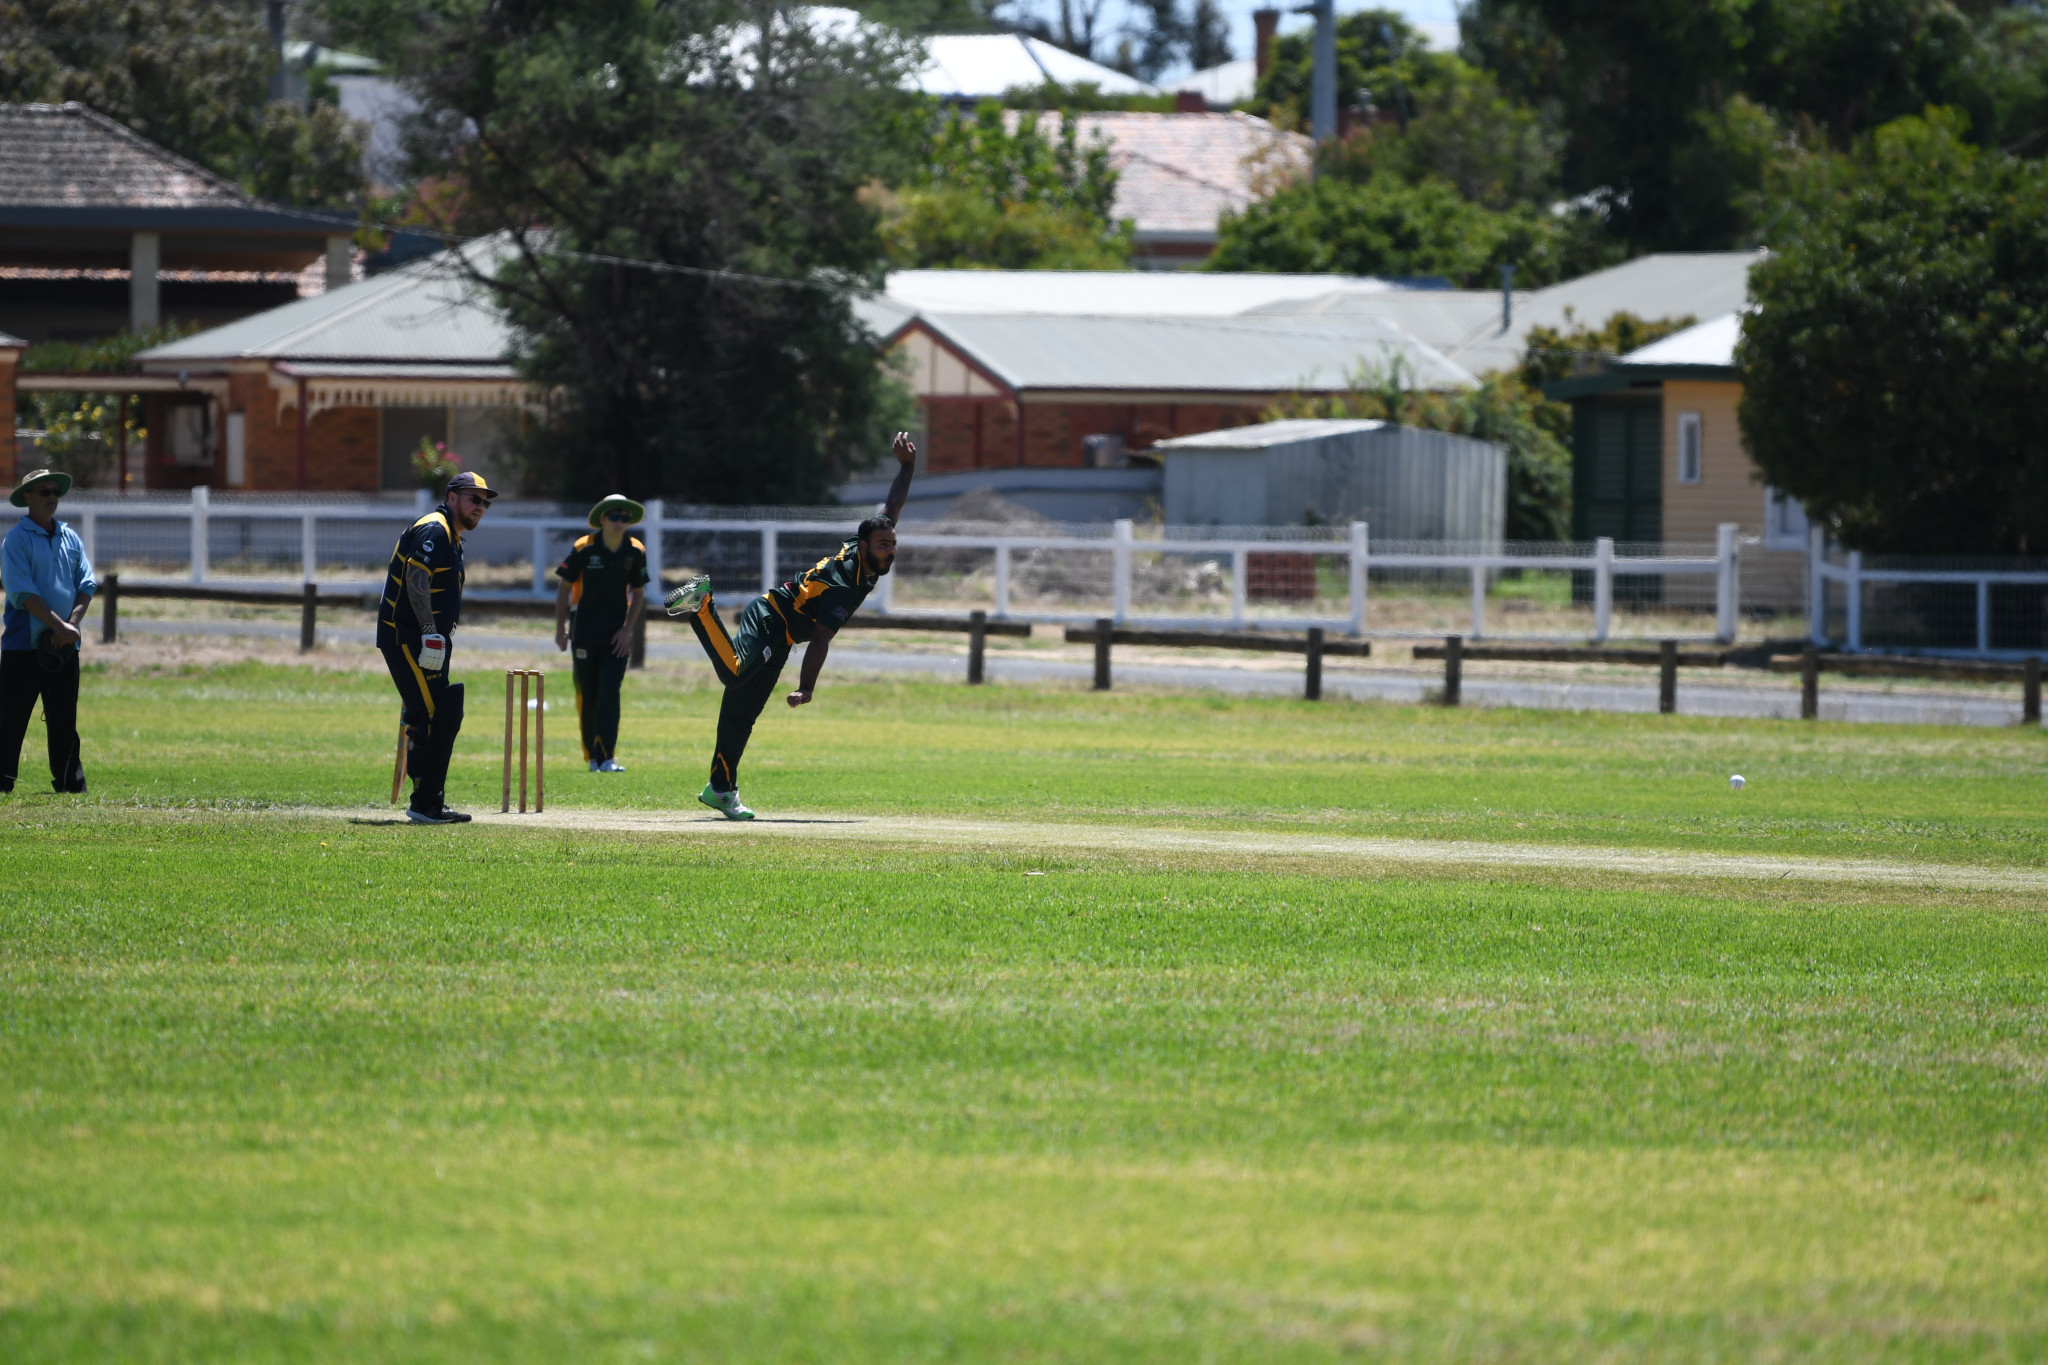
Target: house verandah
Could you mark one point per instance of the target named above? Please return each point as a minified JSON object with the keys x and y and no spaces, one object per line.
{"x":330,"y":393}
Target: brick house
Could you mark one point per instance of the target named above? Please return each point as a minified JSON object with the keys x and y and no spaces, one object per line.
{"x":1048,"y":391}
{"x":333,"y":393}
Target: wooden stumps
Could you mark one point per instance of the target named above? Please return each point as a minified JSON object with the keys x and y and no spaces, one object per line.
{"x":1667,"y":677}
{"x":1103,"y":627}
{"x":309,"y":609}
{"x":532,"y":706}
{"x":1312,"y":682}
{"x":1809,"y":684}
{"x":505,"y":797}
{"x":1454,"y":669}
{"x":110,"y":607}
{"x":2030,"y":691}
{"x":977,"y":643}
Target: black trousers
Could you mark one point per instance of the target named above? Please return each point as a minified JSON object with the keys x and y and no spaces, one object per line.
{"x":749,"y":665}
{"x":599,"y":675}
{"x":22,"y":681}
{"x":432,"y":709}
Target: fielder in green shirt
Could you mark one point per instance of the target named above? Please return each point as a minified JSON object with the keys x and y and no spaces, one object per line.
{"x":604,"y":579}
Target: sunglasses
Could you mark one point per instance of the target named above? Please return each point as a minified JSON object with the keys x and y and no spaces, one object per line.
{"x":617,"y":516}
{"x":473,"y":497}
{"x":46,"y":491}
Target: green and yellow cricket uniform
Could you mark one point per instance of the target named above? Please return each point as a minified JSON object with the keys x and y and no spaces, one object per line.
{"x":602,"y":583}
{"x":749,"y":661}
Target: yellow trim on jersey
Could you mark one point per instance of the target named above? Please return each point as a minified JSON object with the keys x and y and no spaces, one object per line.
{"x":421,"y":679}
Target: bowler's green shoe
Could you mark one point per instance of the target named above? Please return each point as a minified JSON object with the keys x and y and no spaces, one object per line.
{"x":685,"y":600}
{"x":725,"y":803}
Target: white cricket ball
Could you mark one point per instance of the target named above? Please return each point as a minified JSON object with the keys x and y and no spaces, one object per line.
{"x":1735,"y":782}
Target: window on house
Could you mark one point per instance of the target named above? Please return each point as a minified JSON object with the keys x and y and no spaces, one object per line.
{"x":1688,"y":447}
{"x":1785,"y":524}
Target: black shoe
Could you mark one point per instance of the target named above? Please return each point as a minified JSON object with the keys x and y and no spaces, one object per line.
{"x":443,"y":816}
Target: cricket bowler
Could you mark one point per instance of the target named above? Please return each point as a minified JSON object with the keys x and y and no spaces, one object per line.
{"x":807,"y":610}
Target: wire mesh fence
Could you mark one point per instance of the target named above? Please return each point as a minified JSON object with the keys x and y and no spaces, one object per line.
{"x":1922,"y":604}
{"x":1239,"y":576}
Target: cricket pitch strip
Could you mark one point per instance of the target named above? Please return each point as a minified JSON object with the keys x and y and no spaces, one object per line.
{"x":1333,"y":853}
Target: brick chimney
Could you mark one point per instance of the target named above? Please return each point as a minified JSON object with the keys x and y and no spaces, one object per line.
{"x":1265,"y":22}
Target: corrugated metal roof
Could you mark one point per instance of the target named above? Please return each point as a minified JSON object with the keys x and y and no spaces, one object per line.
{"x":424,"y":313}
{"x":1701,"y":284}
{"x":1462,"y":323}
{"x":1710,"y":343}
{"x":1104,"y":293}
{"x":984,"y":65}
{"x":1230,"y":83}
{"x":1208,"y":355}
{"x":1465,"y":323}
{"x":1264,"y":434}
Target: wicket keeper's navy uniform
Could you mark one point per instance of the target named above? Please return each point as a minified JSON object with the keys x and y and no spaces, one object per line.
{"x":432,"y":704}
{"x":603,"y":582}
{"x":749,"y":660}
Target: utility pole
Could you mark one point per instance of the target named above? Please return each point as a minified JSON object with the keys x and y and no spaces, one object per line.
{"x":1322,"y":98}
{"x":273,"y":14}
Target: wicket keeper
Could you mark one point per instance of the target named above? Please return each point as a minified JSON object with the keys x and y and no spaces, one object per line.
{"x":421,"y":608}
{"x":604,"y":576}
{"x":807,"y":610}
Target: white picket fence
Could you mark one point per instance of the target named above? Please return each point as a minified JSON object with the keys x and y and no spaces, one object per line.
{"x":363,"y":524}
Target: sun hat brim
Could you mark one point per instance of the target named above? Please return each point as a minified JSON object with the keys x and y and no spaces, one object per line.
{"x":619,"y":500}
{"x":20,"y":495}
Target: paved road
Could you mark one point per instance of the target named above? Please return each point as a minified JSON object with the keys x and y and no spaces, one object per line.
{"x":1777,"y":699}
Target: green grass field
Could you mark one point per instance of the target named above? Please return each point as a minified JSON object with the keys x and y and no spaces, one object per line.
{"x":1005,"y":1062}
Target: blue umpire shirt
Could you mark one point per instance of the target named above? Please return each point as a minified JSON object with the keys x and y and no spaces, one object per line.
{"x":51,"y":564}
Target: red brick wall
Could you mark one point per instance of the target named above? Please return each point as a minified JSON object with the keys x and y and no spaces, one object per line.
{"x":342,"y":453}
{"x":1054,"y":432}
{"x":7,"y":359}
{"x":341,"y":449}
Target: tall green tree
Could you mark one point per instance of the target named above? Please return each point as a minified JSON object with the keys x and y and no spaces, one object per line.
{"x":190,"y":75}
{"x":1676,"y":112}
{"x":1006,"y":190}
{"x":677,"y":188}
{"x":1892,"y":368}
{"x":1389,"y":226}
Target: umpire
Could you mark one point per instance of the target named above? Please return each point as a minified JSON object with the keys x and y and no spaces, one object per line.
{"x":605,"y":576}
{"x":49,"y":583}
{"x":422,"y":604}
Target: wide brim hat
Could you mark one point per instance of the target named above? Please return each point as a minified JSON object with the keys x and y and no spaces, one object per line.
{"x":620,"y":502}
{"x":36,"y":476}
{"x":474,"y":482}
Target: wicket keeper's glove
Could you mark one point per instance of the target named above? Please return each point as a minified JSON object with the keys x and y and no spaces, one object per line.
{"x":433,"y":652}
